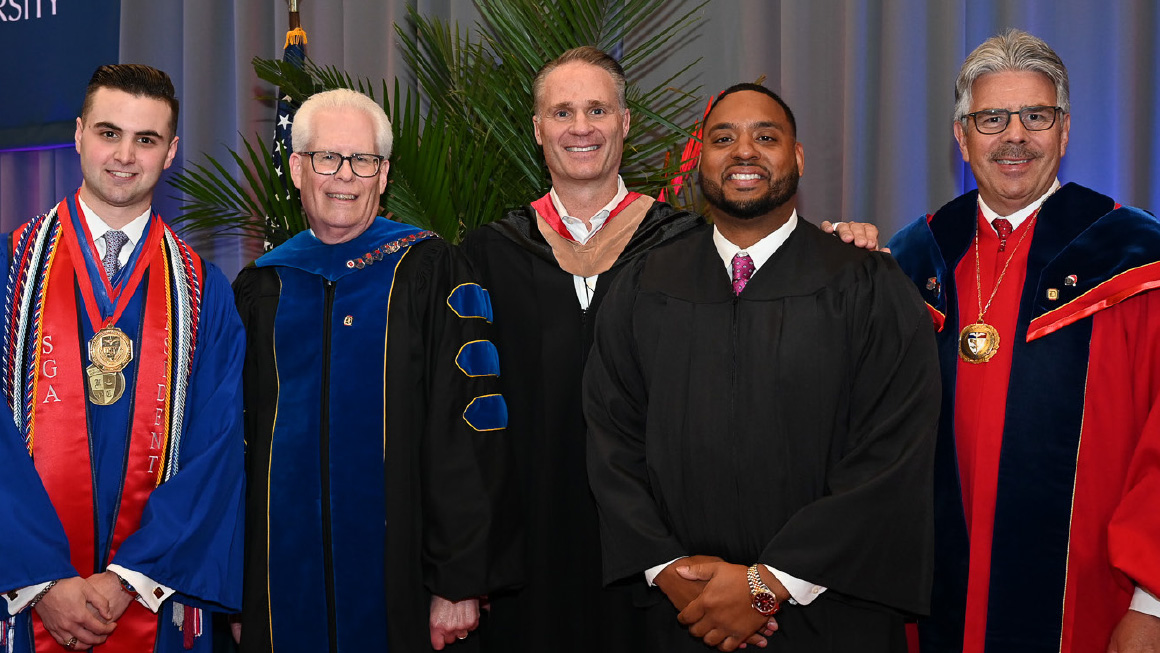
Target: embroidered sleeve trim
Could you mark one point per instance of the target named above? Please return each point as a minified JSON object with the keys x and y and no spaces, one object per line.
{"x":485,"y":363}
{"x":489,"y":413}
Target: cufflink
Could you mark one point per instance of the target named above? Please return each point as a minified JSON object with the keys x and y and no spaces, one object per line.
{"x":1053,"y":294}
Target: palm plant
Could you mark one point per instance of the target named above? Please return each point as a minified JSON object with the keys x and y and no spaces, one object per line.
{"x":464,"y":148}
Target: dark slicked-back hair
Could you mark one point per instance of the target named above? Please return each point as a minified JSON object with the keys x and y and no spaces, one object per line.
{"x":134,"y":79}
{"x":758,"y":88}
{"x":584,"y":54}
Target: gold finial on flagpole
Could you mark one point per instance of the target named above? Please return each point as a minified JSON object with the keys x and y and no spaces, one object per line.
{"x":296,"y":34}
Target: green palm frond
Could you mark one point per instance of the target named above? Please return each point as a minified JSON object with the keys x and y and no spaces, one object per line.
{"x":265,"y":206}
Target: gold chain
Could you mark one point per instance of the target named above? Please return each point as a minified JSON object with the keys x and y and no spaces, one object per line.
{"x":978,"y":267}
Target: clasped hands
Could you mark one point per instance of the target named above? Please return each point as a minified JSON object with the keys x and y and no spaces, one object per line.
{"x":87,"y":609}
{"x":714,"y":601}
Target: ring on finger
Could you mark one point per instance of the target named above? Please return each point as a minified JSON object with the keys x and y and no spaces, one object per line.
{"x":72,"y":641}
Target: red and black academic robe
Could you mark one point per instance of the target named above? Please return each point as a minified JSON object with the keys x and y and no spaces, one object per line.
{"x":1047,"y":478}
{"x":792,"y":425}
{"x":543,"y":338}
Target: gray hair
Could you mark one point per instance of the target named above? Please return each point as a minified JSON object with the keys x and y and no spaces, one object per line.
{"x":302,"y":131}
{"x":1011,"y":50}
{"x":590,"y":55}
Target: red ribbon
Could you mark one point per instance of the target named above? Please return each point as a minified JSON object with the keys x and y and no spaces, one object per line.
{"x":60,"y":434}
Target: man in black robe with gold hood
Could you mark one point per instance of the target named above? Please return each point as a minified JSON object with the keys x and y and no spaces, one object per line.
{"x":764,"y":397}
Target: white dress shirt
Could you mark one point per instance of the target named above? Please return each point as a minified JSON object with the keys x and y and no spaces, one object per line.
{"x":586,"y":286}
{"x":1019,"y":216}
{"x":133,"y":231}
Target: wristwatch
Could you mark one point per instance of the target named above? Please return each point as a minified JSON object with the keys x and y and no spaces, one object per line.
{"x":764,"y":600}
{"x":127,"y":587}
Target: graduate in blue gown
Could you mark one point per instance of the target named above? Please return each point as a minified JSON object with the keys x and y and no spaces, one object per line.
{"x":121,"y":447}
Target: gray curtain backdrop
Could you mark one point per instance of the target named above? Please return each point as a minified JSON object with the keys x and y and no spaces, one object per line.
{"x":871,"y":82}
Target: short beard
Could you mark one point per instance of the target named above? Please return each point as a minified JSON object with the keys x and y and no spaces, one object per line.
{"x":781,"y":190}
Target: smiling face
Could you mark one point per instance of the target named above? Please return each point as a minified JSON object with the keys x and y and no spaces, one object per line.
{"x":581,"y":125}
{"x":124,"y":142}
{"x":1014,"y":167}
{"x":750,"y":162}
{"x":341,"y":206}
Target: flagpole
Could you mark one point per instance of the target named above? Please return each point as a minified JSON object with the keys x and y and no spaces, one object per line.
{"x":293,"y":53}
{"x":295,"y":35}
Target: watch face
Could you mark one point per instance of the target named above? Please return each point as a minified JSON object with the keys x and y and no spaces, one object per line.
{"x":765,"y":602}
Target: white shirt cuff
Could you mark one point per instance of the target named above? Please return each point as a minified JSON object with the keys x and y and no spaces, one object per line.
{"x":800,"y":591}
{"x":650,"y":574}
{"x":149,"y":593}
{"x":19,"y":599}
{"x":1146,"y":602}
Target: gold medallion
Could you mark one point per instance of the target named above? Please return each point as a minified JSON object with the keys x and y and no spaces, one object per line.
{"x":978,"y":342}
{"x":105,"y":388}
{"x":110,"y":349}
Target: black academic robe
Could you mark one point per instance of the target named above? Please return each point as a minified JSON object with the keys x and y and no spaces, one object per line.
{"x":543,"y":338}
{"x":792,"y":426}
{"x":370,"y":389}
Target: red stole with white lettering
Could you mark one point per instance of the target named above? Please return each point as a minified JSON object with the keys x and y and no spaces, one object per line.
{"x":58,"y":433}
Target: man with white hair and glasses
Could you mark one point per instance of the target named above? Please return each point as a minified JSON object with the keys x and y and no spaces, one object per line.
{"x":371,"y":412}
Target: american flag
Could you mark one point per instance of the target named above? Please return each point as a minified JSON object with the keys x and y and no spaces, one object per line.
{"x":293,"y":53}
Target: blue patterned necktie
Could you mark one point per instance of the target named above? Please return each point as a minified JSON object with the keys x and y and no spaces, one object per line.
{"x":114,"y":241}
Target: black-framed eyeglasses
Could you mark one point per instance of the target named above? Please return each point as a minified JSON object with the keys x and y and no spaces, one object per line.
{"x":1034,"y":119}
{"x":329,"y":163}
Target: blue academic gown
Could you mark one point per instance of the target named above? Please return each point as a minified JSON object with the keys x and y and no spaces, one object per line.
{"x":190,"y":535}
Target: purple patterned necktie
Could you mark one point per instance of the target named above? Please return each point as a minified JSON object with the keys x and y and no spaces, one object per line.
{"x":742,"y":270}
{"x":114,"y":241}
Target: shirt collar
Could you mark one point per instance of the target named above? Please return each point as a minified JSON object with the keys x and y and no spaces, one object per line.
{"x":576,"y":226}
{"x":97,"y":227}
{"x":1022,"y":214}
{"x":760,"y":251}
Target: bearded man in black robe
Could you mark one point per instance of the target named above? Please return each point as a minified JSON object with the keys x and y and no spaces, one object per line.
{"x":761,"y":402}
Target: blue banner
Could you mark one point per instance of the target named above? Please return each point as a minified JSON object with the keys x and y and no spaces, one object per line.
{"x":50,"y":49}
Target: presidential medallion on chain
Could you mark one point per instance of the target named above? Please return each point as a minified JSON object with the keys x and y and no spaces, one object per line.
{"x":979,"y":342}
